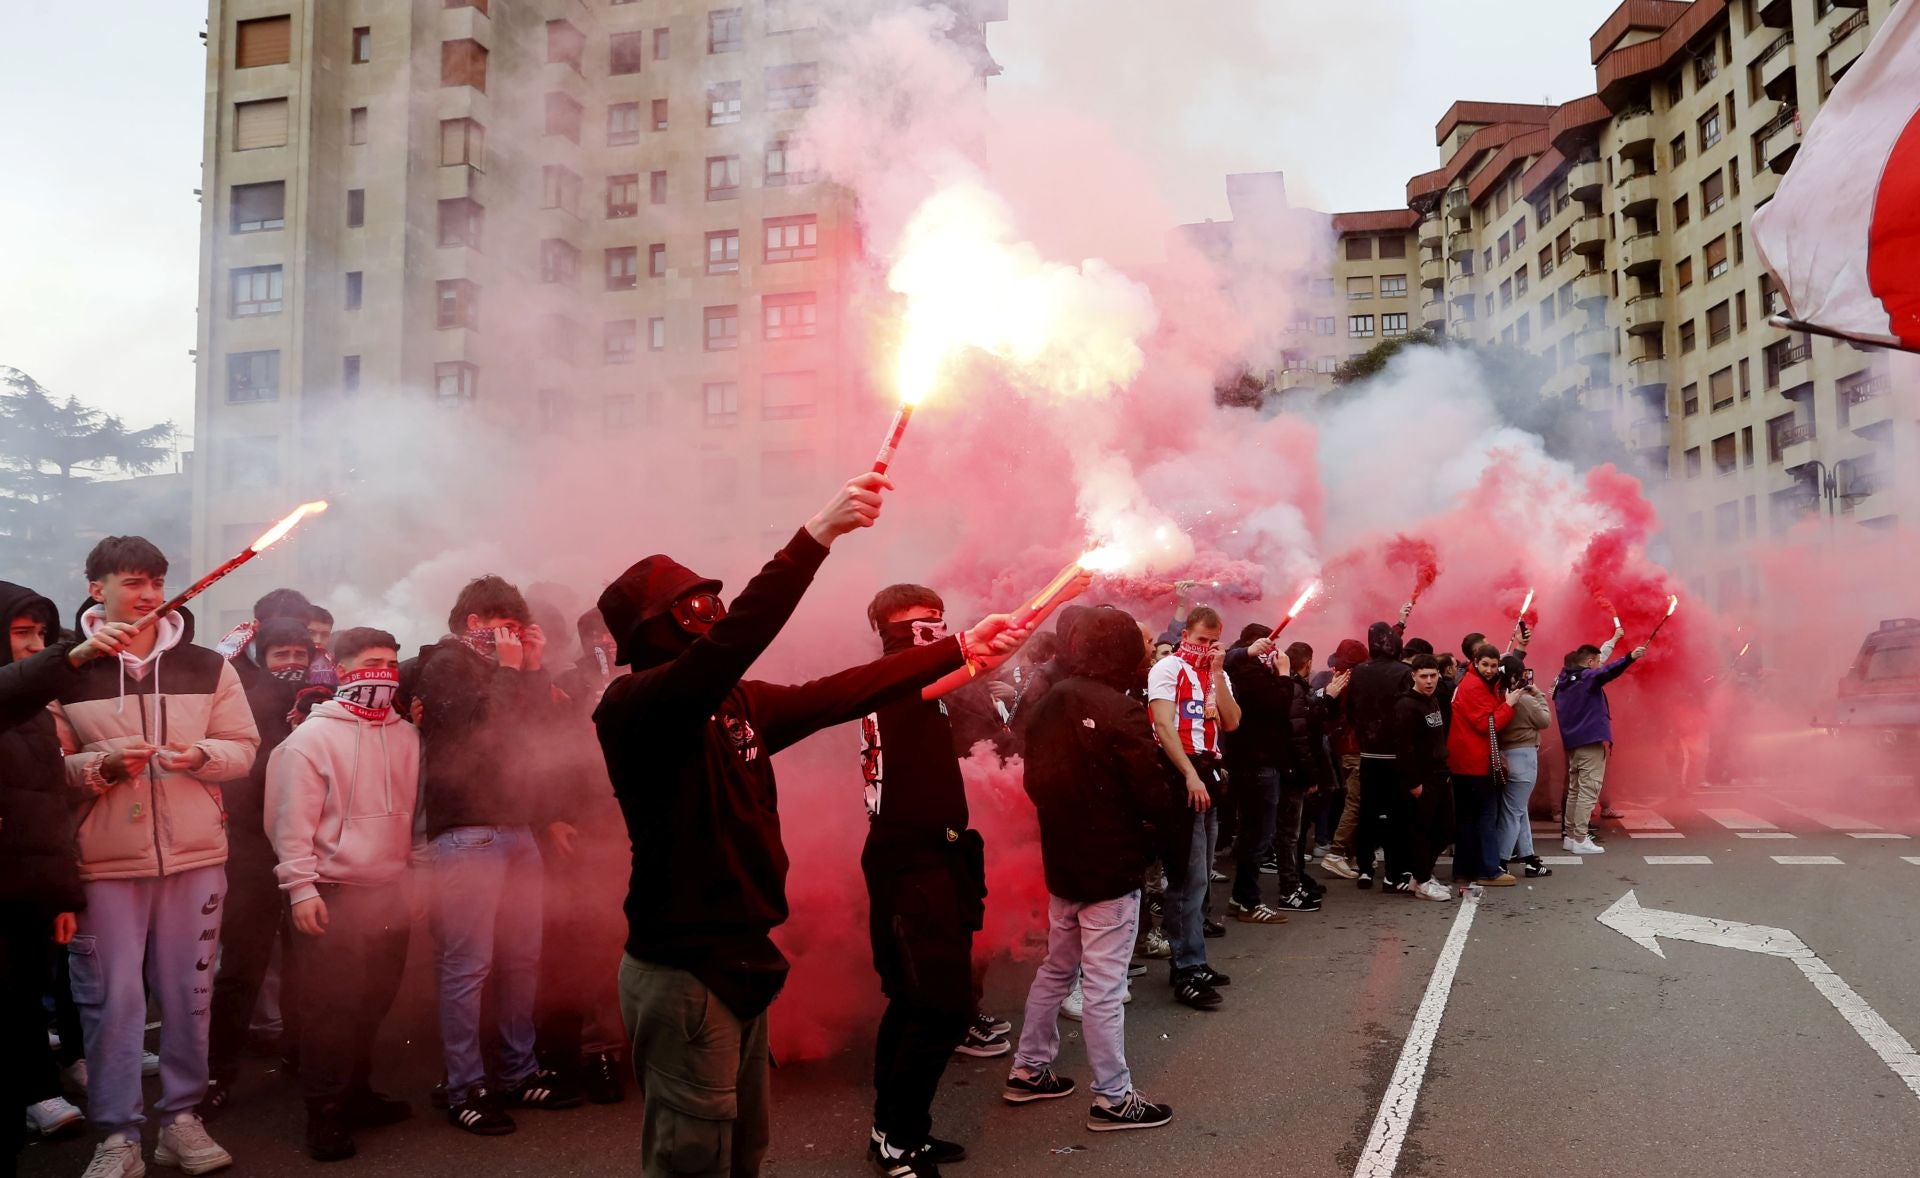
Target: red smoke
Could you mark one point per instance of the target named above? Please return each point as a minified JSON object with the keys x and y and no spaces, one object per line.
{"x":1420,"y":554}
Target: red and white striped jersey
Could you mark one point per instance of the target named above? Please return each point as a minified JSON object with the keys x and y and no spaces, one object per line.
{"x":1172,"y":679}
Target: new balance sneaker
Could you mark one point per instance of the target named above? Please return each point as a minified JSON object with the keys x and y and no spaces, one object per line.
{"x":981,"y":1045}
{"x":479,"y":1114}
{"x":1301,"y":900}
{"x":1337,"y":865}
{"x":1040,"y":1085}
{"x":604,"y":1080}
{"x":185,"y":1144}
{"x":545,"y":1088}
{"x":117,"y":1157}
{"x":1584,"y":846}
{"x":53,"y":1116}
{"x":1156,"y":946}
{"x":1133,"y":1112}
{"x":992,"y":1024}
{"x":1258,"y":914}
{"x":1432,"y":889}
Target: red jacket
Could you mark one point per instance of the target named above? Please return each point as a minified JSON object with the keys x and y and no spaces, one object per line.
{"x":1468,"y":751}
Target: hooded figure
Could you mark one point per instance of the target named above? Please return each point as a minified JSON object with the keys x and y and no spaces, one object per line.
{"x":1377,"y":685}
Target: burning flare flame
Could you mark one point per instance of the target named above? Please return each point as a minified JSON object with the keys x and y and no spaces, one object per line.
{"x":278,"y":532}
{"x":1673,"y":603}
{"x":1305,"y":596}
{"x":1527,"y":604}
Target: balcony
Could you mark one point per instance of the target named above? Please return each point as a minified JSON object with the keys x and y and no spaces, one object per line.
{"x":1296,"y":378}
{"x":1646,"y":314}
{"x":1462,"y":293}
{"x":1593,"y":343}
{"x":1647,"y":377}
{"x":1648,"y":438}
{"x":1433,"y":312}
{"x":1433,"y":268}
{"x":1633,"y":135}
{"x":1591,"y":287}
{"x":1850,"y":39}
{"x":1585,"y":179}
{"x":1430,"y":230}
{"x":1641,"y":253}
{"x":1788,"y":368}
{"x":1799,"y":446}
{"x":1590,"y":235}
{"x":1637,"y":195}
{"x":1869,"y":405}
{"x":1460,"y":244}
{"x":1776,"y":64}
{"x":1779,"y":140}
{"x":1777,"y":14}
{"x":1458,"y":206}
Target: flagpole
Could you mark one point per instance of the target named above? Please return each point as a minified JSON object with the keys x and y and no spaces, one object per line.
{"x":1789,"y":323}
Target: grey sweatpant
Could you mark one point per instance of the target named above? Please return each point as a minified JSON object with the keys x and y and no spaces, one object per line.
{"x":139,"y":936}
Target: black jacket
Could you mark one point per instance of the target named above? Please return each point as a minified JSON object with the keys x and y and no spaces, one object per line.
{"x":1264,"y":739}
{"x":1420,"y":739}
{"x":1375,"y":689}
{"x":1093,"y":769}
{"x":39,"y":865}
{"x":688,"y":745}
{"x":483,"y":739}
{"x":1307,"y":714}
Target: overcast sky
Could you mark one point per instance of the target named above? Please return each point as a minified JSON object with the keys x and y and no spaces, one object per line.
{"x":99,"y":225}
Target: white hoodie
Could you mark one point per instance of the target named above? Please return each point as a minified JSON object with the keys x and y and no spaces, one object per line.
{"x":340,"y":798}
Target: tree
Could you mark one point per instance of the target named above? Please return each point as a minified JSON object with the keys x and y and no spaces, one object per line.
{"x":48,"y":450}
{"x":1374,"y":360}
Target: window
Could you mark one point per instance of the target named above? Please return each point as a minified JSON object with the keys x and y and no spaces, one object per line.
{"x":1506,"y":292}
{"x":1713,"y":193}
{"x":723,"y":328}
{"x":787,"y":395}
{"x":657,"y":334}
{"x":657,"y":187}
{"x":789,"y":16}
{"x":1359,"y":249}
{"x":623,"y":268}
{"x":623,"y":195}
{"x":1393,"y":325}
{"x":559,"y":189}
{"x":1690,"y":400}
{"x":723,"y":252}
{"x":659,"y":114}
{"x":725,"y":30}
{"x":1547,"y":313}
{"x":1677,"y":150}
{"x":1683,"y":273}
{"x":362,"y":45}
{"x":1719,"y":324}
{"x":1726,"y":460}
{"x":253,"y":376}
{"x":1360,"y":326}
{"x":1709,"y":129}
{"x":626,"y":52}
{"x":349,"y":374}
{"x":792,"y":87}
{"x":259,"y":207}
{"x":1686,"y":337}
{"x":1546,"y":261}
{"x":456,"y":303}
{"x":723,"y":177}
{"x":791,"y":239}
{"x":1325,"y":364}
{"x":1739,"y":245}
{"x":1393,"y":286}
{"x":357,"y":125}
{"x":259,"y":124}
{"x":1520,"y":282}
{"x":460,"y":222}
{"x":662,"y":44}
{"x":455,"y":382}
{"x":620,"y":411}
{"x":1324,"y":325}
{"x":1746,"y":459}
{"x":1682,"y":212}
{"x":657,"y":261}
{"x":1693,"y":463}
{"x":565,"y":45}
{"x":266,"y":41}
{"x":256,"y":291}
{"x":620,"y":341}
{"x":354,"y":287}
{"x":1746,"y":379}
{"x":1740,"y":310}
{"x":1519,"y":233}
{"x":1720,"y":389}
{"x":782,"y":167}
{"x":721,"y":403}
{"x":1716,"y":257}
{"x":1393,"y":247}
{"x":723,"y":104}
{"x":559,"y":261}
{"x":252,"y":462}
{"x":463,"y":141}
{"x":1506,"y":246}
{"x":623,"y":124}
{"x":1359,"y":288}
{"x":463,"y":63}
{"x":563,"y":116}
{"x":790,"y":316}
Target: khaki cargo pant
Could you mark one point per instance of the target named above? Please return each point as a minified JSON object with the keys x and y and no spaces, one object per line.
{"x":703,"y":1072}
{"x":1586,"y":773}
{"x":1342,"y":844}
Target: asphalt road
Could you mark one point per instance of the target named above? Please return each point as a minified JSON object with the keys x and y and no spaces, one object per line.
{"x":1565,"y":1048}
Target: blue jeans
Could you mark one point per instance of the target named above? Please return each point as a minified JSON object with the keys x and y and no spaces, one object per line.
{"x":1514,"y":839}
{"x":1096,"y":941}
{"x":486,"y":915}
{"x":1186,"y":905}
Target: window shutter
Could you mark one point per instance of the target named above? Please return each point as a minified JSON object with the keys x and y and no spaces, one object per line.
{"x":260,"y":124}
{"x":266,"y":41}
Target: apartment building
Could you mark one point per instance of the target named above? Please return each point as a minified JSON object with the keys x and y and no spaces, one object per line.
{"x":580,"y":217}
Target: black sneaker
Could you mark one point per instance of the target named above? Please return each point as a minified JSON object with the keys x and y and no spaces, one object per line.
{"x":328,"y":1137}
{"x":1136,"y":968}
{"x":545,"y":1088}
{"x":1300,"y":901}
{"x":1403,"y":885}
{"x":604,"y":1080}
{"x":1364,"y":880}
{"x":1135,"y":1112}
{"x":1535,"y":868}
{"x":1191,"y":991}
{"x":1043,"y":1085}
{"x":1209,"y":976}
{"x":992,"y":1024}
{"x":919,"y":1162}
{"x":367,"y":1109}
{"x":1270,"y":865}
{"x":981,"y":1045}
{"x":480,"y":1114}
{"x":1212,"y":929}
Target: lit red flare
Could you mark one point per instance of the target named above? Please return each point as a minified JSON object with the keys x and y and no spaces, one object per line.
{"x":268,"y":539}
{"x":895,"y":431}
{"x":1527,"y":604}
{"x":1100,"y":560}
{"x":1306,"y":595}
{"x":278,"y":532}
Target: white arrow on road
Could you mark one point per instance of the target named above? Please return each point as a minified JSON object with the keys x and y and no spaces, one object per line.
{"x":1644,"y":925}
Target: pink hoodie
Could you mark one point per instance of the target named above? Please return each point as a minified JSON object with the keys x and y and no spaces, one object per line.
{"x":340,"y":800}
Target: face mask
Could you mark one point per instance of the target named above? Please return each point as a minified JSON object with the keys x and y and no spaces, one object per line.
{"x":481,"y":641}
{"x":898,"y":636}
{"x":368,"y":694}
{"x":290,"y":674}
{"x":1193,"y":654}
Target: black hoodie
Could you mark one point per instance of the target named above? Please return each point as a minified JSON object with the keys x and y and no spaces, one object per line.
{"x":1420,"y":739}
{"x":689,"y":743}
{"x":1376,"y":686}
{"x":39,"y":865}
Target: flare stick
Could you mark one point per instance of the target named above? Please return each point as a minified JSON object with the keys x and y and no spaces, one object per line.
{"x":901,"y":417}
{"x":267,"y":540}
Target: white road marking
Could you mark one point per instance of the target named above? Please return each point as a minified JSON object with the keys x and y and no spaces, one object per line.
{"x":1563,"y":860}
{"x":1875,"y":834}
{"x":1765,"y":834}
{"x":1739,"y":820}
{"x":1655,"y":834}
{"x":1831,"y":818}
{"x":1390,"y":1124}
{"x":1678,"y":861}
{"x":1809,"y":860}
{"x":1644,"y":820}
{"x":1645,"y":925}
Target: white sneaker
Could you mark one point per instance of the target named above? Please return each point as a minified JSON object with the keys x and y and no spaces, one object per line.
{"x":185,"y":1144}
{"x":116,"y":1157}
{"x":1433,"y":889}
{"x":149,"y":1063}
{"x":1582,"y":846}
{"x":50,"y":1116}
{"x":1075,"y":1007}
{"x":1337,"y":865}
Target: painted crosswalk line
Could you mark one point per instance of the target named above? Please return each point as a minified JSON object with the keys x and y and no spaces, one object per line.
{"x":1678,"y":861}
{"x":1644,"y":820}
{"x":1563,"y":860}
{"x":1766,"y":834}
{"x":1655,"y":834}
{"x":1739,"y":820}
{"x":1831,"y":818}
{"x":1809,"y":860}
{"x":1875,"y":834}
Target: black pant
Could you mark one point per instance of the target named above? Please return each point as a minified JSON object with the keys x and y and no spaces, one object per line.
{"x":256,"y":909}
{"x":348,"y":976}
{"x":29,"y":1075}
{"x":1379,"y":786}
{"x":577,"y":1012}
{"x":925,"y":904}
{"x":1418,"y":828}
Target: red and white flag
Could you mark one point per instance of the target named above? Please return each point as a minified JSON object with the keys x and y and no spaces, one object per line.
{"x":1842,"y":234}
